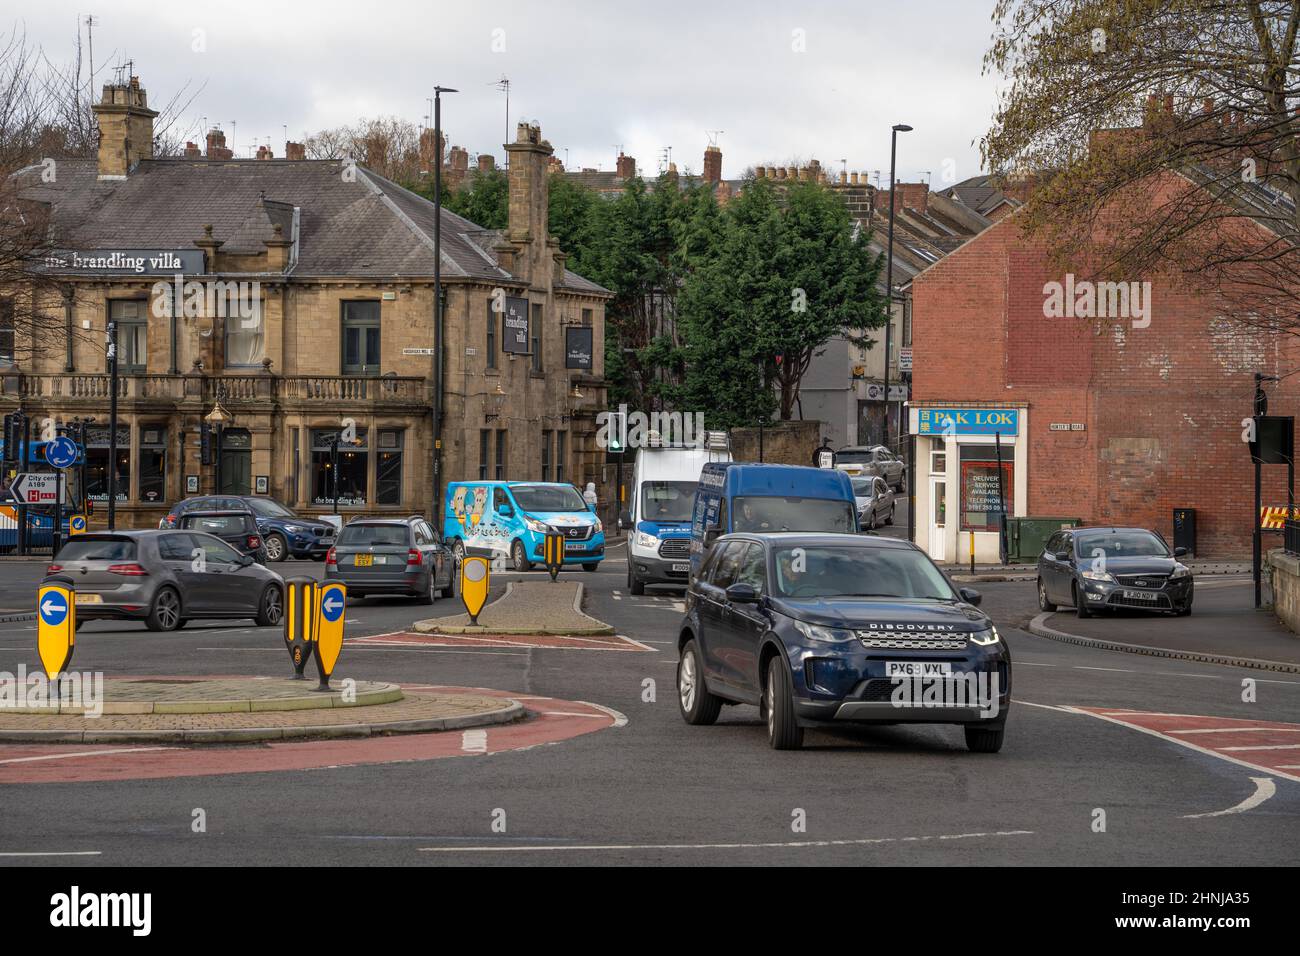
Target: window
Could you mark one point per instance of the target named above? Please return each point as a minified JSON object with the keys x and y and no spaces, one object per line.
{"x":753,"y":569}
{"x":560,"y":442}
{"x":491,"y":343}
{"x":535,"y":337}
{"x":484,"y":437}
{"x":97,"y":462}
{"x":586,"y":316}
{"x":132,"y":334}
{"x":353,"y":462}
{"x":546,"y":456}
{"x":729,"y":565}
{"x":245,"y":343}
{"x":152,"y":458}
{"x":6,"y":331}
{"x":500,"y":471}
{"x":388,"y":468}
{"x":175,"y":547}
{"x":980,"y":502}
{"x":361,"y":338}
{"x":938,"y":463}
{"x":499,"y":500}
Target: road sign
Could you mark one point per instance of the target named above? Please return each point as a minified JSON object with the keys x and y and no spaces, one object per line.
{"x":418,"y":351}
{"x":474,"y":577}
{"x":905,"y":360}
{"x":329,"y":629}
{"x":32,"y":489}
{"x":299,"y":621}
{"x":56,"y":627}
{"x":61,"y":452}
{"x":554,"y":554}
{"x":76,"y":525}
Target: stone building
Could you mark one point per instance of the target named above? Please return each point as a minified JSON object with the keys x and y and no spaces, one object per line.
{"x":263,"y":306}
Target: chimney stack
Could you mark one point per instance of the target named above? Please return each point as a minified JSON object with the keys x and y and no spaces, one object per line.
{"x":626,"y":166}
{"x":192,"y":151}
{"x":295,"y":151}
{"x":712,"y":164}
{"x":529,"y":200}
{"x":125,"y":128}
{"x":217,"y":145}
{"x":264,"y":152}
{"x":486,"y":162}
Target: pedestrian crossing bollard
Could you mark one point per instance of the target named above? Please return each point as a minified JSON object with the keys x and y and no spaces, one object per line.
{"x":330,"y":619}
{"x":553,"y":554}
{"x":299,"y":621}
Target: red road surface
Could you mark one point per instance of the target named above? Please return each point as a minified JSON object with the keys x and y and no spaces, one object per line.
{"x":606,"y":642}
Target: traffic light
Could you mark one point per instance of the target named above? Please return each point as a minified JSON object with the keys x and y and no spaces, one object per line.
{"x":617,"y":432}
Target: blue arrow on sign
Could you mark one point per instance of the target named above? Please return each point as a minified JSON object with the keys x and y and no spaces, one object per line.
{"x":78,"y":522}
{"x":54,"y":609}
{"x":331,"y":604}
{"x":61,"y":452}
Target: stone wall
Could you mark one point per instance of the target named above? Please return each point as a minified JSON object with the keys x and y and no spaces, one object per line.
{"x":784,"y":443}
{"x":1284,"y":571}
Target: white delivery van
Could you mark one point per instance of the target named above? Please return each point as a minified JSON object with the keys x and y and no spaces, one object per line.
{"x":657,"y":517}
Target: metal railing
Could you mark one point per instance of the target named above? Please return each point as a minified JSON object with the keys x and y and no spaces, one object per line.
{"x":1291,"y":536}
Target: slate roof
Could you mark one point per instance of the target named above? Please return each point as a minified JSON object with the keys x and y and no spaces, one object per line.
{"x":359,"y":225}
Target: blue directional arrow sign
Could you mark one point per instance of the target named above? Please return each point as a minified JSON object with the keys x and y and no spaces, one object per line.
{"x":332,"y":603}
{"x":54,"y":609}
{"x":61,"y":452}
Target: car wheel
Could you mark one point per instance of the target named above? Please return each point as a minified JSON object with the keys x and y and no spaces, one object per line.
{"x":984,"y":740}
{"x":634,"y":586}
{"x":519,"y":556}
{"x":277,"y":549}
{"x":783,"y":731}
{"x":1080,"y":608}
{"x":1043,"y":603}
{"x":697,"y":705}
{"x":165,"y":615}
{"x":270,"y":609}
{"x":458,"y":551}
{"x":889,"y":519}
{"x":430,"y":594}
{"x":591,"y":566}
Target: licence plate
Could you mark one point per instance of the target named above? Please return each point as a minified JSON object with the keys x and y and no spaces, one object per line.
{"x":682,"y":567}
{"x":363,"y":560}
{"x":575,"y":546}
{"x":1139,"y":596}
{"x":84,"y":598}
{"x":918,"y":669}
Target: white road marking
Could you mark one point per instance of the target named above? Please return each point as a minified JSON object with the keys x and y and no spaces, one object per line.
{"x":793,"y":844}
{"x":620,"y":719}
{"x":569,"y":713}
{"x":1266,"y":747}
{"x":1029,"y":703}
{"x":87,"y":753}
{"x":394,"y":646}
{"x":1113,"y":670}
{"x":1238,"y":730}
{"x":63,"y":853}
{"x":474,"y":741}
{"x":1264,"y":788}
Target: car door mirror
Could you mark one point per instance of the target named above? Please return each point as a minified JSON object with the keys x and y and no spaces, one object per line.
{"x":971,"y":596}
{"x":505,"y":511}
{"x":625,"y":518}
{"x":1062,"y":556}
{"x":742,"y":594}
{"x":1179,"y":552}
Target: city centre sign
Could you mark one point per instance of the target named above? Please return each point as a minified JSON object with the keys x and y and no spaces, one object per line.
{"x":968,"y":421}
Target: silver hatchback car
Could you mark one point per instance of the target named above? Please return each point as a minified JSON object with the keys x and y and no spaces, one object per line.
{"x":165,"y":578}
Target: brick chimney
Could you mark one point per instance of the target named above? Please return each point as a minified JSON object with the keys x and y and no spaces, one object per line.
{"x":295,"y":151}
{"x":192,"y":151}
{"x":264,"y":152}
{"x":914,"y":196}
{"x":626,"y":166}
{"x":431,"y":150}
{"x":529,"y":200}
{"x":486,"y":162}
{"x":217,"y":145}
{"x":125,"y":128}
{"x":712,"y":164}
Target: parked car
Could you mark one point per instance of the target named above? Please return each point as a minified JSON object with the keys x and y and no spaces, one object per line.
{"x":1094,"y":569}
{"x":237,"y":528}
{"x":153,"y":576}
{"x":875,"y":501}
{"x":285,"y":533}
{"x":511,"y":519}
{"x":859,"y":460}
{"x":829,"y":629}
{"x":392,"y":556}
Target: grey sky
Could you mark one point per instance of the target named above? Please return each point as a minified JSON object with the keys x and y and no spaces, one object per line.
{"x":592,"y":74}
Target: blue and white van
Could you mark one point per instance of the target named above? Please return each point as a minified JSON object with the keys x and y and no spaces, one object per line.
{"x":510,"y":520}
{"x":744,"y":496}
{"x":658,"y":514}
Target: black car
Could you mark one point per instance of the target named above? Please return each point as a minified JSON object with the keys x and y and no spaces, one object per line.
{"x":403,"y":556}
{"x":237,"y":528}
{"x":1095,"y":569}
{"x":285,"y":533}
{"x":829,"y":629}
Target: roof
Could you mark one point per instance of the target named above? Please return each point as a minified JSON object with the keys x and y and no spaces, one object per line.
{"x":343,"y":220}
{"x":822,"y":539}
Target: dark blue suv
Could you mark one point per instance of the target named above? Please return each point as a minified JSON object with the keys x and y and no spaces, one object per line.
{"x":284,"y":533}
{"x":829,"y":629}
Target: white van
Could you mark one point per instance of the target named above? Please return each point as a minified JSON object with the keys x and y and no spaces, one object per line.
{"x":657,"y":518}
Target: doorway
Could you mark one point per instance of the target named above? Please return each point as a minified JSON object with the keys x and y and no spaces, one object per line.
{"x":938,"y":518}
{"x":236,"y":467}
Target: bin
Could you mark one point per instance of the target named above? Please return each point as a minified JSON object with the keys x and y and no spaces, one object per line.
{"x":1185,"y":529}
{"x":1026,"y":536}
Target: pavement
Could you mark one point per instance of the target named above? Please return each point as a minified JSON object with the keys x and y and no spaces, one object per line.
{"x":527,"y":607}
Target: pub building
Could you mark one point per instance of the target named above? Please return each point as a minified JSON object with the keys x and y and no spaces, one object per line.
{"x":265,"y":306}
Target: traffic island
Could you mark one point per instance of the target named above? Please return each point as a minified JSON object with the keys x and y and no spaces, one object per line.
{"x":246,"y":710}
{"x":527,"y":608}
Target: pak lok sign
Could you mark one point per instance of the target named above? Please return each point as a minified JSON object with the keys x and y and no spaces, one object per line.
{"x":146,"y":262}
{"x":968,"y":421}
{"x":578,"y":346}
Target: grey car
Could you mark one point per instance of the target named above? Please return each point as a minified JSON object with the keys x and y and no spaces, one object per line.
{"x":875,"y":501}
{"x":864,"y":460}
{"x":165,"y":578}
{"x":401,"y":556}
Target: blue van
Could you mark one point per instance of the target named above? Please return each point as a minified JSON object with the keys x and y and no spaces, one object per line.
{"x":512,"y":518}
{"x":736,"y":496}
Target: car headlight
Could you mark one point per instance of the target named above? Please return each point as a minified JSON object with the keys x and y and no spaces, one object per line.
{"x":1092,"y":575}
{"x":827,"y":635}
{"x":644,"y":540}
{"x":1181,"y":571}
{"x":534,"y":525}
{"x":985,"y":637}
{"x":295,"y":529}
{"x":599,"y":527}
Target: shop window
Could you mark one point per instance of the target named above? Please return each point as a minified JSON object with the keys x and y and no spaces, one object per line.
{"x":353,"y":467}
{"x":132,"y":328}
{"x":361,"y":338}
{"x":97,"y":462}
{"x":151,"y":456}
{"x":6,"y":331}
{"x":388,"y":467}
{"x":980,"y":503}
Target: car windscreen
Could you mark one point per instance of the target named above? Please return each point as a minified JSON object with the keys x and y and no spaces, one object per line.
{"x":268,"y":508}
{"x":667,"y":500}
{"x":548,"y":498}
{"x":214,"y":524}
{"x":899,"y":573}
{"x":1120,"y":544}
{"x":775,"y":513}
{"x":88,"y":548}
{"x":862,"y":487}
{"x":374,"y":536}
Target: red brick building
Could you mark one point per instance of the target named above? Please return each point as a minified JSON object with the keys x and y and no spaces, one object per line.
{"x":1115,"y":417}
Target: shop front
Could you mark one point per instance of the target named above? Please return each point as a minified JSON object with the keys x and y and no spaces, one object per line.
{"x":972,"y":464}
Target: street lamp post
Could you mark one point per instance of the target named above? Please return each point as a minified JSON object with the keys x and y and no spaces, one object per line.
{"x":436,"y":508}
{"x":112,"y":425}
{"x":889,"y":265}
